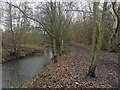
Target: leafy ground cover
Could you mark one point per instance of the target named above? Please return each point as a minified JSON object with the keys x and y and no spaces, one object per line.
{"x":70,"y":71}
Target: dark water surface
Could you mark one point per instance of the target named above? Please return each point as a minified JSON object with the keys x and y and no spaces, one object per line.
{"x":15,"y":73}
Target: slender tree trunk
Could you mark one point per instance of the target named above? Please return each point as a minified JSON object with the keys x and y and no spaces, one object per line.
{"x":97,"y":40}
{"x":92,"y":67}
{"x":55,"y":50}
{"x":11,"y":28}
{"x":113,"y":41}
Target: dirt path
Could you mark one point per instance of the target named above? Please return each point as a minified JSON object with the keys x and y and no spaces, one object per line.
{"x":70,"y":71}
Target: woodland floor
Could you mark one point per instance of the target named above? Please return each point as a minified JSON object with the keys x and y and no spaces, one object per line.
{"x":70,"y":71}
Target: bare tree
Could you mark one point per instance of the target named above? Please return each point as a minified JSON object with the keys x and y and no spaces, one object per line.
{"x":57,"y":21}
{"x":97,"y":39}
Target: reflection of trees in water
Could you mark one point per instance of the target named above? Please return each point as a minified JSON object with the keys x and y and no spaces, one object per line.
{"x":48,"y":53}
{"x":12,"y":78}
{"x":17,"y":72}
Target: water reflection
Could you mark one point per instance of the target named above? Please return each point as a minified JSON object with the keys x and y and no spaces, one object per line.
{"x":18,"y":72}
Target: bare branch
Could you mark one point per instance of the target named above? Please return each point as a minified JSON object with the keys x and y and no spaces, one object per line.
{"x":32,"y":19}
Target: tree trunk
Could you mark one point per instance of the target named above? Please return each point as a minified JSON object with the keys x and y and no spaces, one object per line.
{"x":97,"y":39}
{"x":11,"y":29}
{"x":113,"y":41}
{"x":91,"y":71}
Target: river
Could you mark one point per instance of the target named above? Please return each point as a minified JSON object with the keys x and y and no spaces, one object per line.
{"x":18,"y":72}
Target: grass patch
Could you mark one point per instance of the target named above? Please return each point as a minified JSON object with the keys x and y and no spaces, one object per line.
{"x":32,"y":47}
{"x":27,"y":48}
{"x":5,"y":53}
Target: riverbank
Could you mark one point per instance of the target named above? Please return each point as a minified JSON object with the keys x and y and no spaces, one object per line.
{"x":70,"y":71}
{"x":26,"y":50}
{"x":12,"y":58}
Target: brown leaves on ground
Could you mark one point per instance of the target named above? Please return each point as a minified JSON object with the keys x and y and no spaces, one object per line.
{"x":70,"y":71}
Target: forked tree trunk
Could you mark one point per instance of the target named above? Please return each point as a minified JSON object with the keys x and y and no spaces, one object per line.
{"x":97,"y":40}
{"x":91,"y":71}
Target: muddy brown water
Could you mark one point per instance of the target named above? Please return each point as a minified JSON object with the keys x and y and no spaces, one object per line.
{"x":16,"y":73}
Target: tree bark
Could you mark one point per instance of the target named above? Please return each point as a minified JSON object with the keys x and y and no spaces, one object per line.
{"x":113,"y":41}
{"x":97,"y":39}
{"x":11,"y":29}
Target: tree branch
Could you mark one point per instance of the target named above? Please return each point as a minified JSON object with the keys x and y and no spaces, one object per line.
{"x":32,"y":19}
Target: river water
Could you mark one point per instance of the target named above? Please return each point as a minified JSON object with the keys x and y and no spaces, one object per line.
{"x":16,"y":73}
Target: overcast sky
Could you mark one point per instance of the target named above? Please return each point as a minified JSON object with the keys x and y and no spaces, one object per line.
{"x":59,"y":0}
